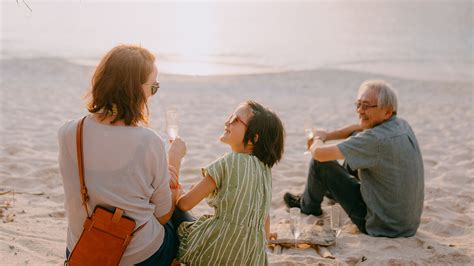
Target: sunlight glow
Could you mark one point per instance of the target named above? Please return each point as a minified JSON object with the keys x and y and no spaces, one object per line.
{"x":208,"y":65}
{"x":196,"y":30}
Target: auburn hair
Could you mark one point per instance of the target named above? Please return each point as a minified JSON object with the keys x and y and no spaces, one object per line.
{"x":117,"y":84}
{"x":266,"y":132}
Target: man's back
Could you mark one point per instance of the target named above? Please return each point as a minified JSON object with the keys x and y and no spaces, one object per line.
{"x":390,"y":167}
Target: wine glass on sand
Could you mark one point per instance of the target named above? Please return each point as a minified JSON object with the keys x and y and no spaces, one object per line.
{"x":295,"y":223}
{"x":336,"y":219}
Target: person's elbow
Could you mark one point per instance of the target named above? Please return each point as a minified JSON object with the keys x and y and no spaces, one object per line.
{"x":316,"y":155}
{"x":319,"y":155}
{"x":165,"y":218}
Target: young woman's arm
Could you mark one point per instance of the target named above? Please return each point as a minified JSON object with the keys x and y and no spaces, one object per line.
{"x":269,"y":235}
{"x":196,"y":194}
{"x":267,"y":227}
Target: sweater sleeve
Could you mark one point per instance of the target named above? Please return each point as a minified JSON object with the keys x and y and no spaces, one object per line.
{"x":161,"y":196}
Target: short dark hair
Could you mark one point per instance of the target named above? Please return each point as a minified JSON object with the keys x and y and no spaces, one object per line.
{"x":118,"y":81}
{"x":269,"y":145}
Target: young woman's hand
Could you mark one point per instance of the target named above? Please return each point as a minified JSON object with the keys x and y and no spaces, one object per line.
{"x":273,"y":236}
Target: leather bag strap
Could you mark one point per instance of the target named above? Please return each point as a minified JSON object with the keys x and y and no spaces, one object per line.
{"x":80,"y":164}
{"x":117,"y":215}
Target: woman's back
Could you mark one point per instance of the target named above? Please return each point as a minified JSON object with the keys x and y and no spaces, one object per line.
{"x":125,"y":167}
{"x":235,"y":234}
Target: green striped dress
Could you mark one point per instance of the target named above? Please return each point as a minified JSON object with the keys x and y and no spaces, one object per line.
{"x":235,"y":234}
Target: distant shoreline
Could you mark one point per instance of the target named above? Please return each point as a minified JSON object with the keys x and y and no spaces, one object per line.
{"x":377,"y":69}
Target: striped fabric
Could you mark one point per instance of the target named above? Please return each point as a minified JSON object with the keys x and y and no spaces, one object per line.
{"x":234,"y":235}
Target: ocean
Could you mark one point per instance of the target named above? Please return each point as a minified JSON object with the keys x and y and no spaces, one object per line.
{"x":413,"y":39}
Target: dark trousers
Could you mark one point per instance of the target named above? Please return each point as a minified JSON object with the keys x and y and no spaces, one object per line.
{"x":167,"y":252}
{"x":170,"y":245}
{"x":335,"y":181}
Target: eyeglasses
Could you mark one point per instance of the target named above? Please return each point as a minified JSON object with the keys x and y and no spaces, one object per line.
{"x":234,"y":119}
{"x":363,"y":106}
{"x":154,"y":87}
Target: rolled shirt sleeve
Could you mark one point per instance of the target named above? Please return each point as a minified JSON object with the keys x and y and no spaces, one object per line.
{"x":361,"y":151}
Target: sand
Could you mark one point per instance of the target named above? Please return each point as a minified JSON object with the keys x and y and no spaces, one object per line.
{"x":38,"y":95}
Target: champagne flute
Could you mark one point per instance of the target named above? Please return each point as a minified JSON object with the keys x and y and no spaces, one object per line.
{"x":308,"y":130}
{"x":295,"y":223}
{"x":310,"y":134}
{"x":172,"y":127}
{"x":335,"y":219}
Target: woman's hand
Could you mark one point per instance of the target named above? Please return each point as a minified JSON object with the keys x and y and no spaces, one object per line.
{"x":175,"y":154}
{"x":177,"y":149}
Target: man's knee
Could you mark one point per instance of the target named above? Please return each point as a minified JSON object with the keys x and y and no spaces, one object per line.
{"x":322,"y":169}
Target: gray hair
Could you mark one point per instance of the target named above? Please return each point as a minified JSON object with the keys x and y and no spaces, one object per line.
{"x":387,"y":95}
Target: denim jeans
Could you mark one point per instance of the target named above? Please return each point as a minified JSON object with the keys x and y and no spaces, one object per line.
{"x":167,"y":252}
{"x":170,"y":245}
{"x":334,"y":180}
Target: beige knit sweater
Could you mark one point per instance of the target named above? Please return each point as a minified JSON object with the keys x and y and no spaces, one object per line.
{"x":124,"y":167}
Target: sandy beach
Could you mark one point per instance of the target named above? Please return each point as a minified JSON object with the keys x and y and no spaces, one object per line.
{"x":38,"y":95}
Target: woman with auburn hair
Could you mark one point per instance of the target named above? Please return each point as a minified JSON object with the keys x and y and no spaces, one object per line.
{"x":125,"y":163}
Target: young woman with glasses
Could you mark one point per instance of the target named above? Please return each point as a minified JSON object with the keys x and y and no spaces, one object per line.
{"x":239,"y":187}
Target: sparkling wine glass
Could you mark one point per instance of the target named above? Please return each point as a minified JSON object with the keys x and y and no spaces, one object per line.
{"x":308,"y":130}
{"x":295,"y":223}
{"x":172,"y":123}
{"x":336,"y":219}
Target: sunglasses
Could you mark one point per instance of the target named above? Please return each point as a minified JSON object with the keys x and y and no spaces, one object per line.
{"x":234,"y":119}
{"x":363,"y":106}
{"x":154,"y":87}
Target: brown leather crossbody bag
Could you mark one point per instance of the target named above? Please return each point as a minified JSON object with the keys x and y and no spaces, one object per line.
{"x":106,"y":234}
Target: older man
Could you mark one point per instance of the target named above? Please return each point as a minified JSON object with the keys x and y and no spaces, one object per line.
{"x":387,"y":197}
